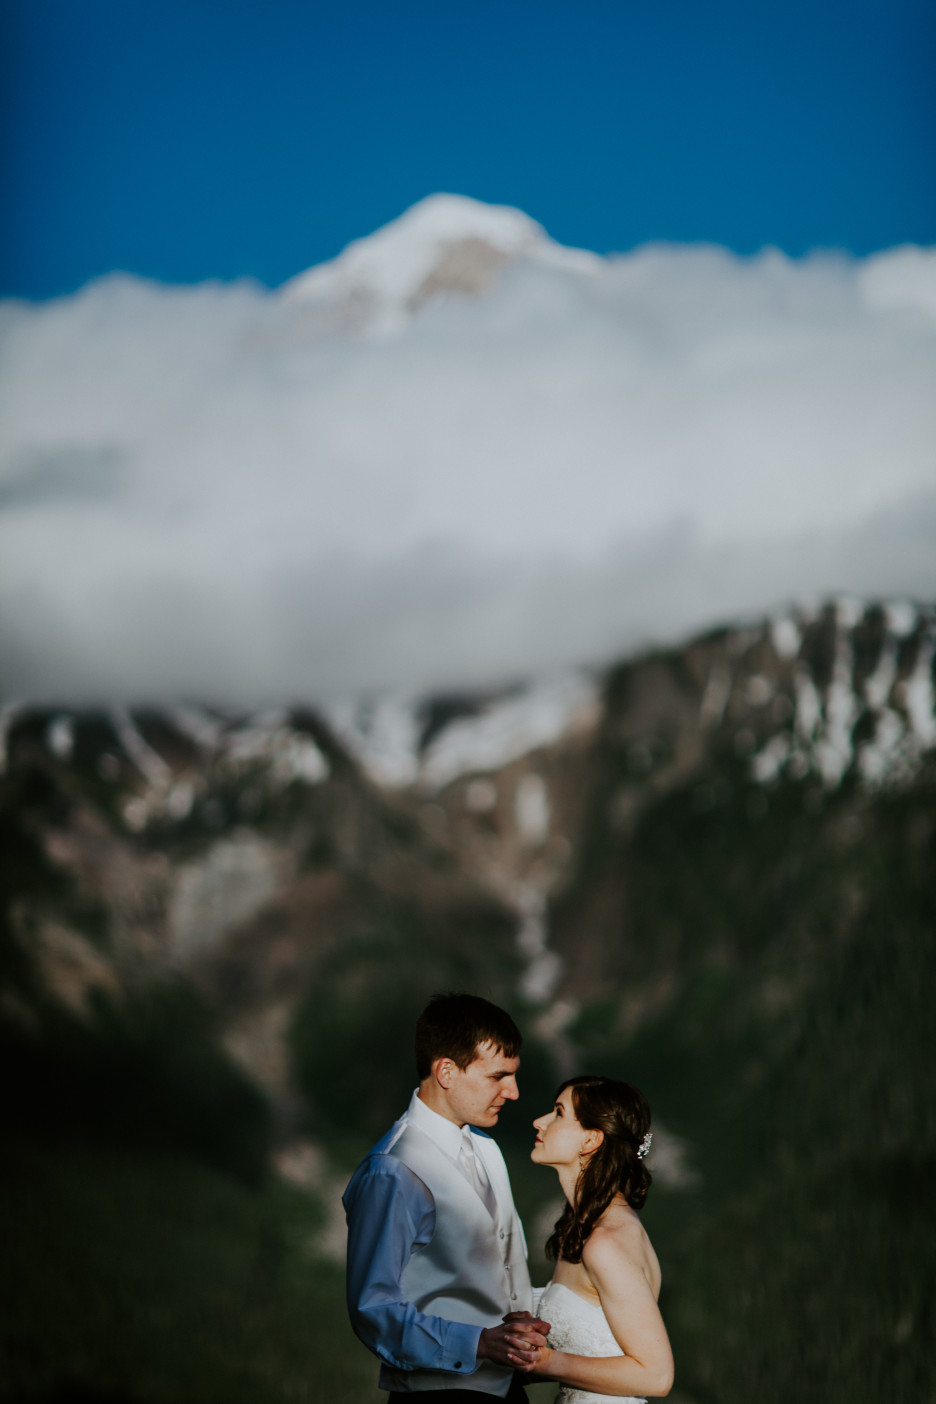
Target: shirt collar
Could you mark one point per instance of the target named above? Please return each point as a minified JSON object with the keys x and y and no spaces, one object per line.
{"x":446,"y":1135}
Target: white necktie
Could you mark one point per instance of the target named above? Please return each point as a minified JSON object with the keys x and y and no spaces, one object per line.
{"x":475,"y":1173}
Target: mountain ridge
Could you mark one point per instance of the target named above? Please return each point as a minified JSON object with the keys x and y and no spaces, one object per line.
{"x":191,"y":826}
{"x":657,"y":890}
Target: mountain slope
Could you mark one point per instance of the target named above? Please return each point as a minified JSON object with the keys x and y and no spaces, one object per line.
{"x":709,"y":870}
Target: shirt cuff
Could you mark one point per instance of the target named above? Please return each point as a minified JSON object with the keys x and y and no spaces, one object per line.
{"x":460,"y":1349}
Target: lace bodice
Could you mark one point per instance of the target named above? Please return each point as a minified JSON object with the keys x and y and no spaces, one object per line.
{"x":579,"y":1328}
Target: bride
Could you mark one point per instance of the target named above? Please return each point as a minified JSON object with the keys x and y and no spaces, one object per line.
{"x":606,"y":1336}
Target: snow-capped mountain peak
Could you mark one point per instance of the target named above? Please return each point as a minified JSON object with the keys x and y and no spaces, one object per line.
{"x":445,"y":243}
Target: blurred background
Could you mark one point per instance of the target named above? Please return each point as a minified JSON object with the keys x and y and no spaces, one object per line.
{"x":467,"y":521}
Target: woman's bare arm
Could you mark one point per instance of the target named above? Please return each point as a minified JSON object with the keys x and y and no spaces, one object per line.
{"x":617,"y":1271}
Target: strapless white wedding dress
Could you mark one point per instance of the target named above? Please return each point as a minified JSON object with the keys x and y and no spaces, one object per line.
{"x":579,"y":1328}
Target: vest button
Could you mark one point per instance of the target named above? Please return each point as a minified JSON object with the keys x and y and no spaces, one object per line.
{"x":458,"y":1364}
{"x":502,"y":1233}
{"x":513,"y":1296}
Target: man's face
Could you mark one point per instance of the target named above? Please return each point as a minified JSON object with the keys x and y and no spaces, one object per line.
{"x":476,"y":1094}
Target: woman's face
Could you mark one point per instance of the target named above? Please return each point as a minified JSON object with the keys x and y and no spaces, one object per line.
{"x":561,"y":1138}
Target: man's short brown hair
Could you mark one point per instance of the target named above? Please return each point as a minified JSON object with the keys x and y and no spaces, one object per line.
{"x":455,"y":1025}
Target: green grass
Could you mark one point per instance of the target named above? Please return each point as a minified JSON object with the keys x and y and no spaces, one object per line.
{"x":130,"y":1278}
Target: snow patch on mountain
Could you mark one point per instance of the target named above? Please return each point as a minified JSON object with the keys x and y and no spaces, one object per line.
{"x":445,"y":243}
{"x":384,"y":735}
{"x":822,"y":736}
{"x":511,"y":727}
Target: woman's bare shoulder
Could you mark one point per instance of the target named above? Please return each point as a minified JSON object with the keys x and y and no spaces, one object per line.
{"x":619,"y":1240}
{"x":618,"y":1231}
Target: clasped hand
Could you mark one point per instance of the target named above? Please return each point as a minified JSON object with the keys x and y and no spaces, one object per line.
{"x":518,"y":1344}
{"x":526,"y":1341}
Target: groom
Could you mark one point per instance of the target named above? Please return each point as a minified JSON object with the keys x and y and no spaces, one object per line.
{"x":436,"y":1254}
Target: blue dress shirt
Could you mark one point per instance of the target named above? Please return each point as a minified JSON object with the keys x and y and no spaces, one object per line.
{"x":390,"y":1213}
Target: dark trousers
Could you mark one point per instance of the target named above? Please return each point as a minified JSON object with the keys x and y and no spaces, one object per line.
{"x":515,"y":1395}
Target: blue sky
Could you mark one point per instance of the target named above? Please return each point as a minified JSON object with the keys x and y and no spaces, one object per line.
{"x":194,"y":139}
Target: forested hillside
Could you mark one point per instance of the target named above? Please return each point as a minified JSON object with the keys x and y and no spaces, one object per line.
{"x":709,"y":870}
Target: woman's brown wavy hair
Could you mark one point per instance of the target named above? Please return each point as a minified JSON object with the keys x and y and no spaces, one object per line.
{"x":621,"y":1112}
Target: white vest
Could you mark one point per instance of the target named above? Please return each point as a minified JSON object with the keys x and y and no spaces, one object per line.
{"x":474,"y":1270}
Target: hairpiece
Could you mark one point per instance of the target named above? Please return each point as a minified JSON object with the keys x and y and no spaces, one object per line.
{"x":645,"y":1145}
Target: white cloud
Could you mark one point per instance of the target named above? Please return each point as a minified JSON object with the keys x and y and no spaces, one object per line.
{"x":220,"y":492}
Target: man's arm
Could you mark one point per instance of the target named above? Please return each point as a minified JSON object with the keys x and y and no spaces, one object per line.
{"x":390,"y":1212}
